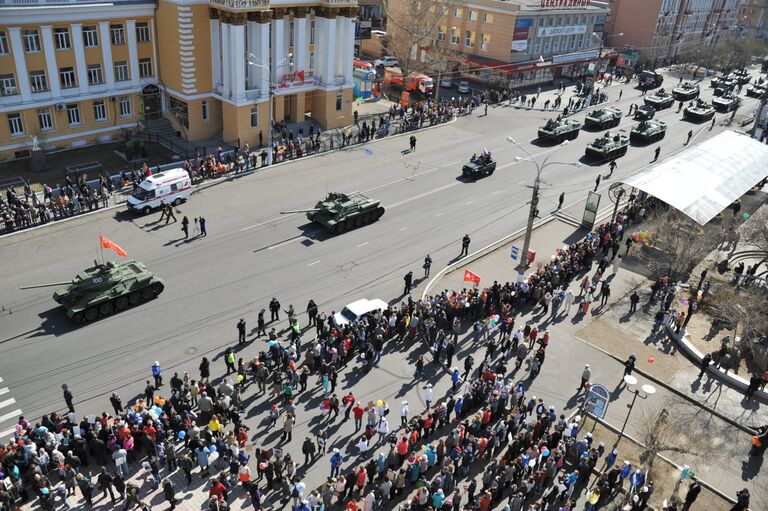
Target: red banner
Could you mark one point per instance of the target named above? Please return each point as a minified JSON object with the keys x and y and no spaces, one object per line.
{"x":106,"y":243}
{"x":471,"y":277}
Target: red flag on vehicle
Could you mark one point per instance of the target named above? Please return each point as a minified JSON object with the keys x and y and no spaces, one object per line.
{"x":107,"y":243}
{"x":471,"y":277}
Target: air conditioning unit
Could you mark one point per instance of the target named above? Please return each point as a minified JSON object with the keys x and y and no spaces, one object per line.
{"x":60,"y":106}
{"x":9,"y":91}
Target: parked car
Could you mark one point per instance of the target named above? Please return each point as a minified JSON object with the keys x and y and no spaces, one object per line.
{"x":386,"y":61}
{"x":463,"y":87}
{"x":446,"y":83}
{"x":355,"y":310}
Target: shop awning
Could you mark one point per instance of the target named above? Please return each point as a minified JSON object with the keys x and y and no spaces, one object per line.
{"x":704,"y":179}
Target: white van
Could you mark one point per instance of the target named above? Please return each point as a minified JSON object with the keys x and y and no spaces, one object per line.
{"x":356,"y":310}
{"x":172,"y":186}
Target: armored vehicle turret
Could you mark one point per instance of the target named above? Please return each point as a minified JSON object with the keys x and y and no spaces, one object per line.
{"x":558,"y":130}
{"x":602,"y":118}
{"x":104,"y":289}
{"x":698,"y":111}
{"x":608,"y":147}
{"x":756,"y":90}
{"x":340,"y":212}
{"x":648,"y":131}
{"x":686,"y":91}
{"x":725,"y":103}
{"x":740,"y":76}
{"x":659,"y":100}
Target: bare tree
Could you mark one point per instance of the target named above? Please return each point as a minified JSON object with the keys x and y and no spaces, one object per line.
{"x":755,"y":232}
{"x":413,"y":25}
{"x":676,"y":245}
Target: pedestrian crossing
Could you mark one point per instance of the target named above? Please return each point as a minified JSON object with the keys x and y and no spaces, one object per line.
{"x":9,"y":414}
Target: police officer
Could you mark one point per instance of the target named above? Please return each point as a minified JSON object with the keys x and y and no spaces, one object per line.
{"x":241,"y":331}
{"x":427,"y":265}
{"x":465,"y":245}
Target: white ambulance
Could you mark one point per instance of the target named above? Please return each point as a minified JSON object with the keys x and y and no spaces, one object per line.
{"x":172,"y":186}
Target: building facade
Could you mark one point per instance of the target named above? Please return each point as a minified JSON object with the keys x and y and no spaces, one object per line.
{"x":753,"y":16}
{"x":80,"y":74}
{"x":666,"y":31}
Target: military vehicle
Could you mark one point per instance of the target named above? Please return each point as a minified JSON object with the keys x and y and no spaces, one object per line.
{"x":608,"y":147}
{"x":340,"y":212}
{"x":755,"y":90}
{"x":644,"y":112}
{"x":602,"y":118}
{"x":479,"y":166}
{"x":686,"y":91}
{"x":726,"y":102}
{"x":649,"y":79}
{"x":698,"y":111}
{"x":740,"y":76}
{"x":555,"y":131}
{"x":104,"y":289}
{"x":659,"y":100}
{"x":722,"y":81}
{"x":648,"y":132}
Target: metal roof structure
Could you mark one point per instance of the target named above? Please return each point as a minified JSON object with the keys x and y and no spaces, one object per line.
{"x":704,"y":179}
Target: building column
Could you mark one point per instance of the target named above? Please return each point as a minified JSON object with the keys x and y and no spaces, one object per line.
{"x":347,"y":53}
{"x":237,"y":59}
{"x":326,"y":32}
{"x":258,"y":45}
{"x":80,"y":65}
{"x":300,"y":41}
{"x":215,"y":49}
{"x":22,"y":75}
{"x":50,"y":61}
{"x":279,"y":48}
{"x":106,"y":54}
{"x":226,"y":79}
{"x":133,"y":53}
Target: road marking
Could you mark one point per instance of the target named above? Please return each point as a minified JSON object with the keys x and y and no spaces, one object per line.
{"x":312,"y":264}
{"x":8,"y":432}
{"x":362,"y":244}
{"x":266,"y":222}
{"x":451,"y":164}
{"x":496,"y":192}
{"x":286,"y":242}
{"x":13,"y":415}
{"x":4,"y":390}
{"x":468,"y":203}
{"x":7,"y":402}
{"x":439,"y":214}
{"x":422,"y":195}
{"x":402,"y":228}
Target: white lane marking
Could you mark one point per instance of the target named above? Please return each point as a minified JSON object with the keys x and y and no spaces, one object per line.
{"x":7,"y":402}
{"x":312,"y":264}
{"x":402,"y":228}
{"x":468,"y":203}
{"x":8,"y":432}
{"x":451,"y":164}
{"x":363,"y":244}
{"x":439,"y":214}
{"x":421,"y":195}
{"x":266,"y":222}
{"x":13,"y":415}
{"x":4,"y":390}
{"x":496,"y":192}
{"x":286,"y":242}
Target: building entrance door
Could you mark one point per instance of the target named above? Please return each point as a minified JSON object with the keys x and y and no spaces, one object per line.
{"x":150,"y":98}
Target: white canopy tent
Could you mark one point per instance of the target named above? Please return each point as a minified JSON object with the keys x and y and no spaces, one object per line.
{"x":706,"y":178}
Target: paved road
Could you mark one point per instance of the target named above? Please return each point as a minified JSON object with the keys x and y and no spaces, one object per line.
{"x":253,"y":253}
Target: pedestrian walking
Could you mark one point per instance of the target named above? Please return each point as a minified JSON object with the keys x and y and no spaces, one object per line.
{"x":68,"y":398}
{"x":427,"y":265}
{"x":656,"y":153}
{"x":241,"y":331}
{"x":408,"y":281}
{"x":621,"y":92}
{"x":465,"y":245}
{"x":560,"y":200}
{"x":567,"y":302}
{"x":428,"y":395}
{"x":611,"y":167}
{"x":690,"y":135}
{"x":693,"y":493}
{"x":634,"y":299}
{"x":169,"y":492}
{"x":712,"y":125}
{"x":616,"y":264}
{"x":597,"y":182}
{"x":404,"y":411}
{"x":413,"y":143}
{"x":185,"y":226}
{"x":203,"y":232}
{"x":169,"y":210}
{"x":229,"y":361}
{"x":629,"y":364}
{"x":585,"y":375}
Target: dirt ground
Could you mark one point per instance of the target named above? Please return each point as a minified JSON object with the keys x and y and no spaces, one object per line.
{"x":57,"y":162}
{"x":664,"y":475}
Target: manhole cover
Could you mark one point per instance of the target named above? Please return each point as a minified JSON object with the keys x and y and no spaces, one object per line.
{"x":191,"y":350}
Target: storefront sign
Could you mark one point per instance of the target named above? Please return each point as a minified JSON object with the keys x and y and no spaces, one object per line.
{"x":573,"y":57}
{"x":523,"y":23}
{"x":564,"y":30}
{"x":240,"y":4}
{"x":554,"y":4}
{"x":150,"y":90}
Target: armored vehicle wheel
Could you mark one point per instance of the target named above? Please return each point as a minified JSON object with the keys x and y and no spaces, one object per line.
{"x":78,"y":316}
{"x":377,"y":213}
{"x":121,"y":302}
{"x":91,"y":314}
{"x":623,"y":151}
{"x":359,"y":221}
{"x":134,"y":298}
{"x":106,"y":308}
{"x":350,"y":224}
{"x":147,"y":293}
{"x":367,"y":218}
{"x":157,"y":288}
{"x":341,"y":227}
{"x":574,"y":135}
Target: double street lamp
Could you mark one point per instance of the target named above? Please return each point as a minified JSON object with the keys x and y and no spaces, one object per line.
{"x":602,"y":40}
{"x":643,"y":393}
{"x":533,"y":213}
{"x":254,"y":61}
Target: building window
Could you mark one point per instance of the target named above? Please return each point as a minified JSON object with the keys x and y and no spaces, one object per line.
{"x":483,"y":42}
{"x":14,"y":122}
{"x":90,"y":37}
{"x":61,"y":38}
{"x":126,"y":110}
{"x":339,"y":101}
{"x":73,"y":114}
{"x":468,"y":39}
{"x":67,"y":77}
{"x":8,"y":85}
{"x":38,"y":81}
{"x":204,"y":106}
{"x":99,"y":111}
{"x":254,"y":117}
{"x":311,"y":61}
{"x":94,"y":74}
{"x":454,"y":36}
{"x":117,"y":33}
{"x":291,"y":26}
{"x":145,"y":67}
{"x":472,"y":15}
{"x":3,"y":43}
{"x":457,"y":12}
{"x":121,"y":71}
{"x":31,"y":41}
{"x":45,"y":119}
{"x":312,"y":32}
{"x":142,"y":32}
{"x":487,"y":18}
{"x":441,"y":33}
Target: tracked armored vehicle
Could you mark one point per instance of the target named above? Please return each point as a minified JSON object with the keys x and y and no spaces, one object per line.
{"x":698,"y":111}
{"x":725,"y":103}
{"x":608,"y":147}
{"x":603,"y":118}
{"x":660,"y":100}
{"x":686,"y":92}
{"x":340,"y":212}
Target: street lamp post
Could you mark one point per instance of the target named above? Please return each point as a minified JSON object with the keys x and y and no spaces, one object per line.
{"x":647,"y":389}
{"x":602,"y":40}
{"x":254,"y":61}
{"x":534,"y":199}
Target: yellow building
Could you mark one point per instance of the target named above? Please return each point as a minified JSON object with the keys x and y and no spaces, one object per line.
{"x":78,"y":72}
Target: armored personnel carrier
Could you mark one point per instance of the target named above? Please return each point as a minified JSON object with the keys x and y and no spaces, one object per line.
{"x":479,"y":166}
{"x":756,"y":90}
{"x":340,"y":212}
{"x":740,"y":76}
{"x":725,"y":103}
{"x":104,"y":289}
{"x":608,"y":147}
{"x":722,"y":82}
{"x":686,"y":92}
{"x":602,"y":118}
{"x":649,"y":131}
{"x":644,"y":112}
{"x":556,"y":131}
{"x":659,"y":100}
{"x":698,"y":111}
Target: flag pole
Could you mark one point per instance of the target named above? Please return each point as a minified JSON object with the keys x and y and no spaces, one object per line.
{"x":102,"y":250}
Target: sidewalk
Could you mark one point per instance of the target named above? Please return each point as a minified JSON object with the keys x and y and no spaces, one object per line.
{"x":608,"y":330}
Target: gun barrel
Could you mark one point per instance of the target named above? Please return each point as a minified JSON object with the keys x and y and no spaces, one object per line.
{"x":46,"y":285}
{"x":290,"y":211}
